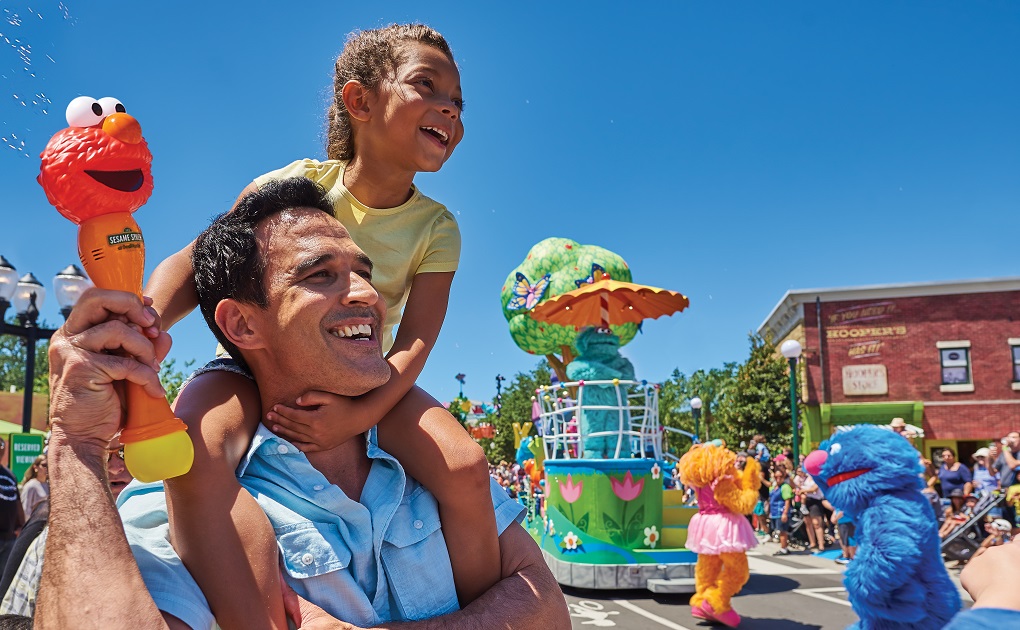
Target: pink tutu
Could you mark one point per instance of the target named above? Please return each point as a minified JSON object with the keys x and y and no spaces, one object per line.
{"x":721,"y":532}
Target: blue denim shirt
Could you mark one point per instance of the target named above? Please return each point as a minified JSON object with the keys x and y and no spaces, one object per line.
{"x":381,"y":559}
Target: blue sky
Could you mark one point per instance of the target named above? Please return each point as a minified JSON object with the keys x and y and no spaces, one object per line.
{"x":727,"y":151}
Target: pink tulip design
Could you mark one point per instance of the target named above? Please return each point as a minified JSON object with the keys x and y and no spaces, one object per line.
{"x":571,"y":492}
{"x":628,"y":490}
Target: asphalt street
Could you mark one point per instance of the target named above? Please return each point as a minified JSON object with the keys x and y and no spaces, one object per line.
{"x":795,"y":592}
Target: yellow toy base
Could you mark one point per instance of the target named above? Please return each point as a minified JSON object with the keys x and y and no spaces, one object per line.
{"x":160,"y":458}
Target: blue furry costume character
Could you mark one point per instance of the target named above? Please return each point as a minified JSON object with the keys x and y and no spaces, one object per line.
{"x":897,"y":579}
{"x":599,"y":359}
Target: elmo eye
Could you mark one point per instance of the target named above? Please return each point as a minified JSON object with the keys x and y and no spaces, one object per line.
{"x":835,"y":448}
{"x":111,"y":105}
{"x":84,"y":111}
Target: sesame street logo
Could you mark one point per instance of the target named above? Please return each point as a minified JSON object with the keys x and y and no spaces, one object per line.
{"x":127,"y":236}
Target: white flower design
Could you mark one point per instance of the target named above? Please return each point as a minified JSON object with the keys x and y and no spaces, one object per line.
{"x":651,"y":536}
{"x":571,"y":541}
{"x":656,"y":471}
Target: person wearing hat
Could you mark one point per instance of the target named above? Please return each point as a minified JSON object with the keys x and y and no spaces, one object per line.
{"x":955,"y":515}
{"x":985,"y":477}
{"x":898,"y":425}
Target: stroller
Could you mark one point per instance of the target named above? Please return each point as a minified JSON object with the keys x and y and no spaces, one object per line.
{"x":962,"y":542}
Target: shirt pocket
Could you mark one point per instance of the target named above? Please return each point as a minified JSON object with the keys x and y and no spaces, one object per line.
{"x":413,"y":541}
{"x":311,"y":549}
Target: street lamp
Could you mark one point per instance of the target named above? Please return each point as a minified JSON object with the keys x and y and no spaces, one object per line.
{"x":791,"y":350}
{"x":696,"y":412}
{"x":27,"y":296}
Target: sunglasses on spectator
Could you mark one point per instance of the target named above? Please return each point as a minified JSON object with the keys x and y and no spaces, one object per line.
{"x":119,"y":452}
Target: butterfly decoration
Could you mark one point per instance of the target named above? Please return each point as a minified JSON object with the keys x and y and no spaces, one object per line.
{"x":598,"y":272}
{"x":527,"y":295}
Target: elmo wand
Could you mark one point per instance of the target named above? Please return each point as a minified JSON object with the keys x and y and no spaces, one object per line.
{"x":96,"y":173}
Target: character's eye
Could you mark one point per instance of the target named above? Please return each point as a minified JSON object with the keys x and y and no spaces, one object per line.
{"x":111,"y":106}
{"x":603,"y":331}
{"x":835,"y":448}
{"x":84,"y":111}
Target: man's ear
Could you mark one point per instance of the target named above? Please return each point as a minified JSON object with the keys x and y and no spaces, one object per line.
{"x":235,"y":322}
{"x":357,"y":99}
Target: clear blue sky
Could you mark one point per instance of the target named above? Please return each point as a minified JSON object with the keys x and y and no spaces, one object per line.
{"x":727,"y":151}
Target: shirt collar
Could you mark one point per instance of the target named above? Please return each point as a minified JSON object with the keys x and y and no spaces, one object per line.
{"x":264,"y":436}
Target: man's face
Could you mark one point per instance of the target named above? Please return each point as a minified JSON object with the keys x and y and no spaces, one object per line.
{"x":323,"y":324}
{"x":1013,"y":439}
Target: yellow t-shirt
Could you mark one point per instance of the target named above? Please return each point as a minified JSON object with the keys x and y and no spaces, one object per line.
{"x":418,"y":236}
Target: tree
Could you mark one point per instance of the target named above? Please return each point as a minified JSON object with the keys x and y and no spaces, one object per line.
{"x":760,"y":399}
{"x":516,"y":407}
{"x":713,"y":387}
{"x":12,"y":363}
{"x":171,"y":378}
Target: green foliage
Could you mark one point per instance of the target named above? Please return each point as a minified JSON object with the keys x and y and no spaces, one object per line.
{"x":456,"y":409}
{"x":516,"y":408}
{"x":12,"y":363}
{"x":761,"y":398}
{"x":566,"y":261}
{"x":171,"y":378}
{"x":714,"y":387}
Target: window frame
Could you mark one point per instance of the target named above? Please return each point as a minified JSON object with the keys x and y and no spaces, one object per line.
{"x":957,"y":386}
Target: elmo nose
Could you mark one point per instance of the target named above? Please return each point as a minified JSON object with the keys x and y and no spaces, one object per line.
{"x":123,"y":127}
{"x":813,"y":463}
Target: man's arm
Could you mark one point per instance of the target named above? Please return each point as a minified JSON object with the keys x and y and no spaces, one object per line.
{"x":526,"y":597}
{"x":85,"y":533}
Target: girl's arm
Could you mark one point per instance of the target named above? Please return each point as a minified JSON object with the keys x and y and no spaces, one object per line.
{"x":172,"y":283}
{"x":431,"y":445}
{"x":216,"y":527}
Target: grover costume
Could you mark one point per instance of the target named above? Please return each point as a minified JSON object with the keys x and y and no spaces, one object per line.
{"x":599,"y":359}
{"x":719,"y":533}
{"x":897,"y":579}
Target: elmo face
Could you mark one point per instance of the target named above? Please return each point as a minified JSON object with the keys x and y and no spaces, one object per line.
{"x":100,"y":164}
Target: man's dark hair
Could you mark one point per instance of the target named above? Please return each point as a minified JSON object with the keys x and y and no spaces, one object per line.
{"x":226,"y":256}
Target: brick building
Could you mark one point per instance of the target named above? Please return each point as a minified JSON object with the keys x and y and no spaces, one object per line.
{"x":944,"y":356}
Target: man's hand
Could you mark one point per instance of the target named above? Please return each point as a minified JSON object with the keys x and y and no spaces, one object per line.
{"x":990,"y":577}
{"x":319,"y":421}
{"x":84,"y":404}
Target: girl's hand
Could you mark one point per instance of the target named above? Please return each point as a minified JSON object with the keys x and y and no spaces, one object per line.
{"x":784,"y":518}
{"x":319,"y":421}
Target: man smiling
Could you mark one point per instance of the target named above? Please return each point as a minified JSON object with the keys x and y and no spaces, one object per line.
{"x":356,"y":535}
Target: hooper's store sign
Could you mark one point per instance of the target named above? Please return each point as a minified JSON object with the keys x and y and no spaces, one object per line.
{"x":866,"y":331}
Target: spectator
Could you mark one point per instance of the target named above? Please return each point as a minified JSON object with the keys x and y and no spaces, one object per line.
{"x":780,"y":500}
{"x":991,"y":581}
{"x":1000,"y":532}
{"x":1005,"y":458}
{"x":953,"y":475}
{"x":761,"y":452}
{"x":34,"y":488}
{"x":12,"y":517}
{"x":811,"y":497}
{"x":845,"y":529}
{"x":985,"y":477}
{"x":955,"y":515}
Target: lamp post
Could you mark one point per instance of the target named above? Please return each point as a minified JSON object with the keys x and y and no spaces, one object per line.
{"x":696,"y":412}
{"x":791,"y":350}
{"x":27,"y":295}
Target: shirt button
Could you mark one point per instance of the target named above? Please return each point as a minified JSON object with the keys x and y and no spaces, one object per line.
{"x":307,"y":559}
{"x":418,"y":524}
{"x":282,"y":449}
{"x":318,"y":487}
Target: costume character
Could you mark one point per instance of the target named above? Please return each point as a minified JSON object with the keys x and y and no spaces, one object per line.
{"x":599,"y":359}
{"x":719,"y":533}
{"x":897,"y":578}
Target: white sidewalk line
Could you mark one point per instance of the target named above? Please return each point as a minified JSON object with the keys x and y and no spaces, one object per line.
{"x":644,"y":613}
{"x":817,"y":593}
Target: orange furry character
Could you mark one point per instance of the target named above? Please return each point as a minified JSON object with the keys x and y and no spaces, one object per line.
{"x":719,"y":533}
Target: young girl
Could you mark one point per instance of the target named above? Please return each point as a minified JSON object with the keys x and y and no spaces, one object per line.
{"x":396,"y":111}
{"x":780,"y":498}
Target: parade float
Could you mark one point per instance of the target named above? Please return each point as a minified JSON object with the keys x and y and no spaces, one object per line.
{"x":604,"y":519}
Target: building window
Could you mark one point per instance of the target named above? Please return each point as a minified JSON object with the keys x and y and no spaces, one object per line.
{"x":954,"y":357}
{"x":1014,"y":350}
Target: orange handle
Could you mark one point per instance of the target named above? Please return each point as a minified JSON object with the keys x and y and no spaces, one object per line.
{"x":113,"y":252}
